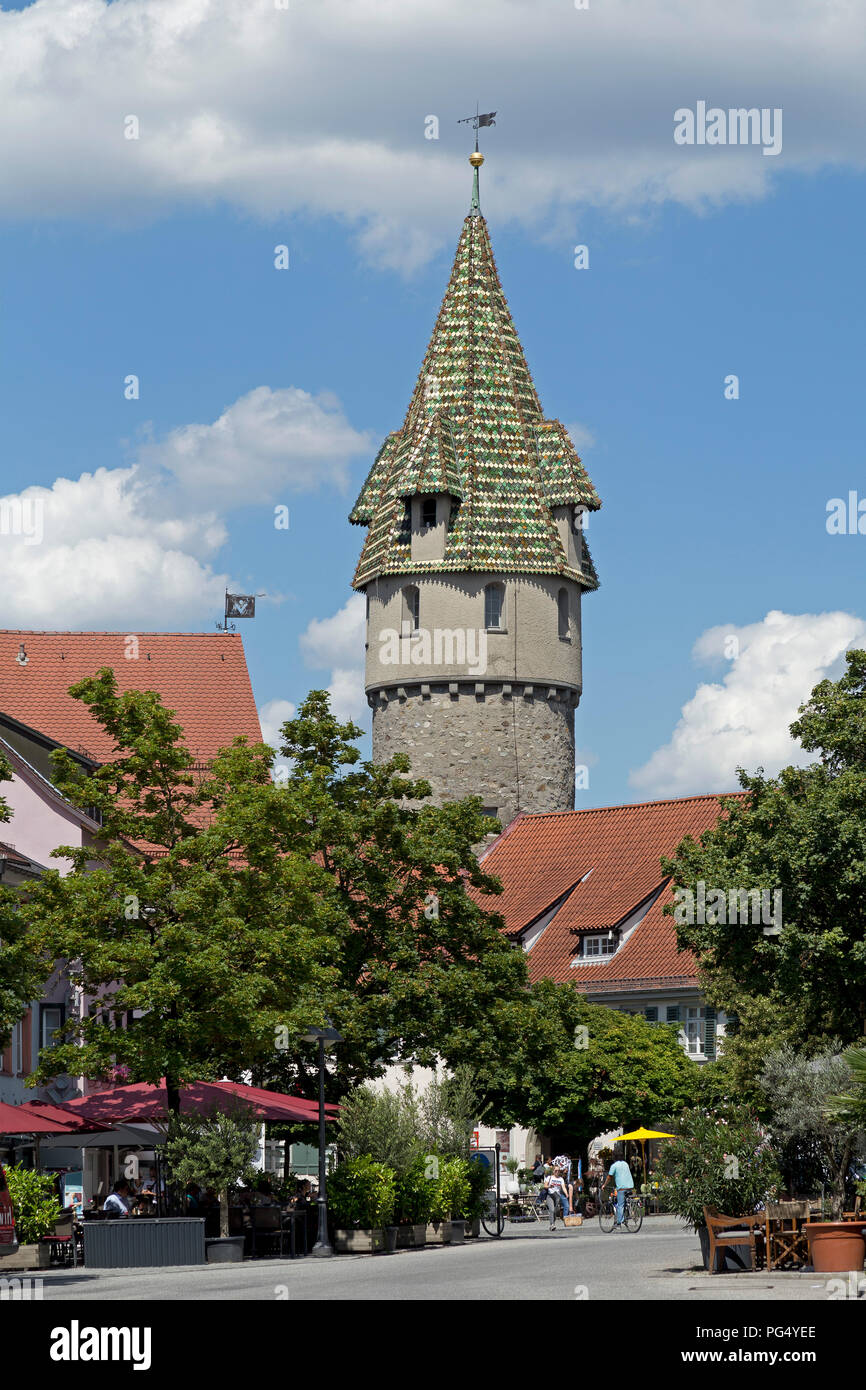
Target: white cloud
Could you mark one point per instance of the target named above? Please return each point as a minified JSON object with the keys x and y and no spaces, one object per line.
{"x":743,"y":721}
{"x":321,"y":107}
{"x":336,"y":644}
{"x":266,"y":442}
{"x":136,"y":546}
{"x":272,"y":716}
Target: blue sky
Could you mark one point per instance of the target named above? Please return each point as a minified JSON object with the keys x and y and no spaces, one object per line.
{"x":714,"y":510}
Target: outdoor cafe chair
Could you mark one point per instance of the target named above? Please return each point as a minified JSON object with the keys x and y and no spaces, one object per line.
{"x":786,"y":1244}
{"x":268,"y":1229}
{"x":64,"y":1238}
{"x":732,"y":1231}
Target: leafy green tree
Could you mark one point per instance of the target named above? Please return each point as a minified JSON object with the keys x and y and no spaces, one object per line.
{"x":583,"y":1069}
{"x":215,"y":1151}
{"x":421,"y":971}
{"x":803,"y":833}
{"x":199,"y":933}
{"x":383,"y":1124}
{"x":802,"y":1094}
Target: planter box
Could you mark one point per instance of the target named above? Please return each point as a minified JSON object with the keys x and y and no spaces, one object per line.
{"x":36,"y":1256}
{"x":411,"y":1237}
{"x":144,"y":1242}
{"x":359,"y":1242}
{"x":225,"y":1250}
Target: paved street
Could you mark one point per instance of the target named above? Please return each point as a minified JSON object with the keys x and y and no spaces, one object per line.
{"x":661,"y":1262}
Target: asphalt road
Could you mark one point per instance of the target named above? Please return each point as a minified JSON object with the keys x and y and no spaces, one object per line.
{"x":661,"y":1262}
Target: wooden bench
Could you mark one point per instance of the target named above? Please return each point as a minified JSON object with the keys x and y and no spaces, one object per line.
{"x":732,"y":1231}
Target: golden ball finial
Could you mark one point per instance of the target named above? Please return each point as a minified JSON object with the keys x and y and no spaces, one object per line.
{"x":476,"y":159}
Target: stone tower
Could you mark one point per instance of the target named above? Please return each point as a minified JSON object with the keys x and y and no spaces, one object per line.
{"x":475,"y":561}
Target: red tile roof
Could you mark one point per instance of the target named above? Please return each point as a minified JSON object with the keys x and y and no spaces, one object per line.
{"x":202,"y":676}
{"x":540,"y":858}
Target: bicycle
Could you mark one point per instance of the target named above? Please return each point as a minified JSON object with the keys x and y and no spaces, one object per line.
{"x":493,"y":1215}
{"x":632,"y":1218}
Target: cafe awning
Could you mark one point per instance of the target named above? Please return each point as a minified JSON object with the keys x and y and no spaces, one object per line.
{"x":146,"y":1101}
{"x":21,"y":1119}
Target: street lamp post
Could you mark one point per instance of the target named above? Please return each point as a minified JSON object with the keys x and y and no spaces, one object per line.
{"x":326,"y":1039}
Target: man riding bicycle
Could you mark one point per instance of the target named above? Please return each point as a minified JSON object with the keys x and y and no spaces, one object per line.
{"x":623,"y":1184}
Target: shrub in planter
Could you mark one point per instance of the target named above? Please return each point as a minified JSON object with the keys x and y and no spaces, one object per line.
{"x":452,"y":1191}
{"x":478,"y":1177}
{"x":214,"y":1150}
{"x":362,"y":1194}
{"x":34,"y":1201}
{"x":720,"y":1161}
{"x":413,"y":1195}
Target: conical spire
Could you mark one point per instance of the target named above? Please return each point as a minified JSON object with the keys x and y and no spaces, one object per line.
{"x":475,"y":428}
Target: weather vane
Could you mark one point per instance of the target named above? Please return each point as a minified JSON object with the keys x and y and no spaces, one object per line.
{"x":477,"y":159}
{"x":477,"y":122}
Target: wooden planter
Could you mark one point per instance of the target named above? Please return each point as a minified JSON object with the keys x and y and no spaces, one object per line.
{"x":35,"y":1256}
{"x":411,"y":1237}
{"x":836,"y":1246}
{"x":359,"y":1242}
{"x":446,"y":1232}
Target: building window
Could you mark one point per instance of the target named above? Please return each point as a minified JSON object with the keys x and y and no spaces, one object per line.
{"x":563,"y":616}
{"x":428,"y":513}
{"x":694,"y":1030}
{"x":411,"y":606}
{"x":602,"y":944}
{"x":494,"y":606}
{"x":50,"y":1018}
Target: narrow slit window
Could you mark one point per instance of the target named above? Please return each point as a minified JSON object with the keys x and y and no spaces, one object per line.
{"x":563,"y":615}
{"x":428,"y":513}
{"x":411,"y":606}
{"x":494,"y":606}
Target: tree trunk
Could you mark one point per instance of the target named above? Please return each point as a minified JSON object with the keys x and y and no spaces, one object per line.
{"x":224,"y":1212}
{"x":172,"y":1091}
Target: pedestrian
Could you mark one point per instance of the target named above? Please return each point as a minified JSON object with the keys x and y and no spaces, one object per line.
{"x":623,"y":1183}
{"x":557,"y":1194}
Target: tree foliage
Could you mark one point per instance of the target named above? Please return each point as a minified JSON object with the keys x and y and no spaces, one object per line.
{"x":802,"y":832}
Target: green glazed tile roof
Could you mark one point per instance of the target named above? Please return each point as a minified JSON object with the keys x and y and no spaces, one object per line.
{"x":475,"y":429}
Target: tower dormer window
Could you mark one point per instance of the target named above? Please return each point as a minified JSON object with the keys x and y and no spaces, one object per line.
{"x":563,"y":615}
{"x":494,"y":607}
{"x":428,"y":513}
{"x":411,"y":606}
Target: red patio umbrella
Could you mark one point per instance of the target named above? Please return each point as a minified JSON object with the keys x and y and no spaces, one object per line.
{"x":20,"y":1119}
{"x":45,"y":1110}
{"x":145,"y":1101}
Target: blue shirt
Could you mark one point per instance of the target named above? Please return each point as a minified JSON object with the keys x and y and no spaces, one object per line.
{"x":621,"y":1174}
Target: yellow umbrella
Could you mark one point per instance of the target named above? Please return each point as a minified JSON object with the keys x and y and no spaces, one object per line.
{"x":644,"y":1134}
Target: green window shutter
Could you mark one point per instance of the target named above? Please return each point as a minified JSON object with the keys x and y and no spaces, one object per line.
{"x":673,"y":1013}
{"x":709,"y":1033}
{"x":651,"y":1014}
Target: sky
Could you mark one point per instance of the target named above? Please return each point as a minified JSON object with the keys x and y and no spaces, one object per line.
{"x":724,"y":598}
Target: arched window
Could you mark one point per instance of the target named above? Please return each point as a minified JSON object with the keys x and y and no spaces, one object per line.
{"x":494,"y":606}
{"x":411,"y":606}
{"x":563,"y":616}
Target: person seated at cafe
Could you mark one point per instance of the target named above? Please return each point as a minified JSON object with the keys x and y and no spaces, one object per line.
{"x":193,"y":1196}
{"x":264,"y":1196}
{"x":303,"y":1199}
{"x":117,"y":1203}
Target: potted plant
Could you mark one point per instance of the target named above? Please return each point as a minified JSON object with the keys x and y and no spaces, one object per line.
{"x":450,"y":1198}
{"x":361,"y":1197}
{"x":412,"y":1205}
{"x":36,"y":1209}
{"x":217,"y":1151}
{"x":718,"y":1160}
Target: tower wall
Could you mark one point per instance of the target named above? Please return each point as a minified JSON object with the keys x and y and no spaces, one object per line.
{"x":511,"y":744}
